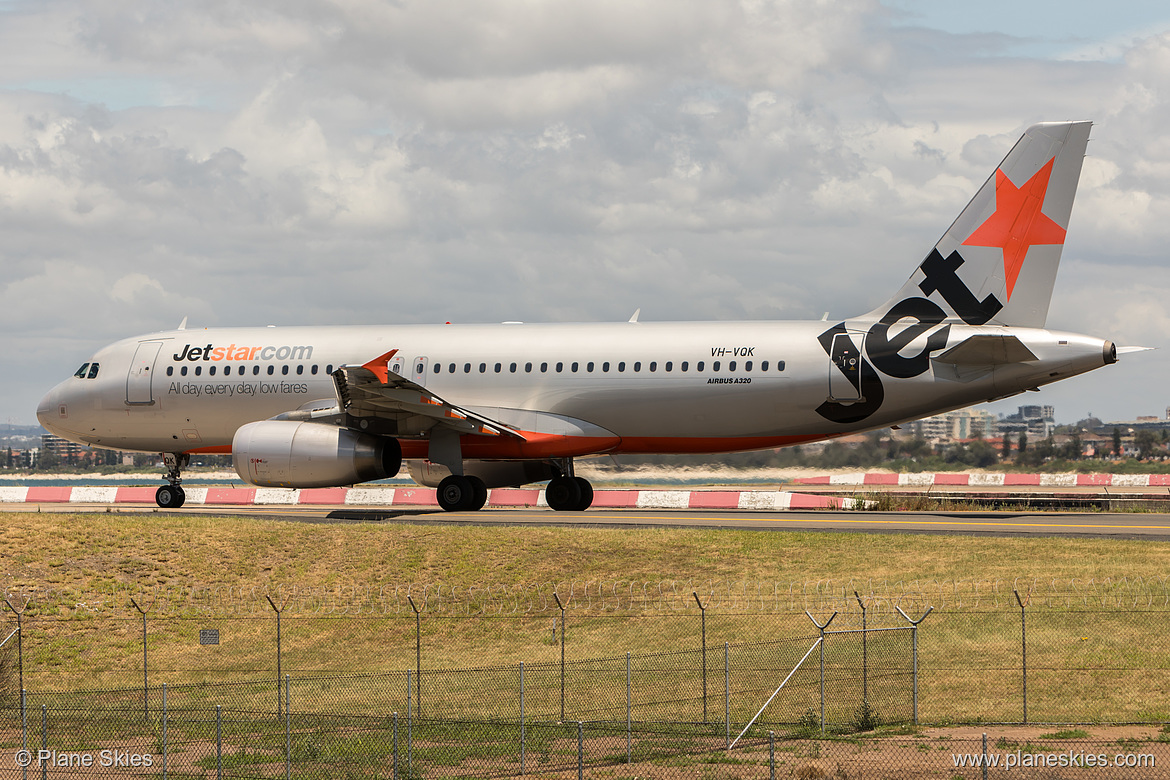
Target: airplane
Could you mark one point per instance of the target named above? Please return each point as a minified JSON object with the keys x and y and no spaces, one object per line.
{"x":470,"y":407}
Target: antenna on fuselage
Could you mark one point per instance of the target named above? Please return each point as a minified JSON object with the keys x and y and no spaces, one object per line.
{"x":636,"y":313}
{"x":182,"y":325}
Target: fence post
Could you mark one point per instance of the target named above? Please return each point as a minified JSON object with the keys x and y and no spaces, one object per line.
{"x":864,"y":650}
{"x":218,"y":742}
{"x":164,"y":729}
{"x":417,"y":654}
{"x":409,"y":729}
{"x":24,"y":727}
{"x":727,"y":690}
{"x":287,"y":729}
{"x":703,"y":614}
{"x":628,"y":753}
{"x":395,"y":773}
{"x":1024,"y":647}
{"x":145,"y":678}
{"x":522,"y":734}
{"x":580,"y":751}
{"x":772,"y":755}
{"x":44,"y":740}
{"x":277,"y":610}
{"x":914,"y":645}
{"x":984,"y":762}
{"x":822,"y":648}
{"x":19,"y":636}
{"x":562,"y":606}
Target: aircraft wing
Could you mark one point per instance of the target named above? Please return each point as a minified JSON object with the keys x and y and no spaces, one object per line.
{"x":373,"y":390}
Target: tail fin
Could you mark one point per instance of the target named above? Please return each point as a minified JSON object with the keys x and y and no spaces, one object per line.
{"x":997,"y":263}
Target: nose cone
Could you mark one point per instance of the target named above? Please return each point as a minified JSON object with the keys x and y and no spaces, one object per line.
{"x":52,"y":413}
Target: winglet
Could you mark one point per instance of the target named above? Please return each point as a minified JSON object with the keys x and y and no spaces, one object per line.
{"x":380,"y":366}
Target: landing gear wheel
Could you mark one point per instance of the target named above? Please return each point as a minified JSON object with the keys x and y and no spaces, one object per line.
{"x":170,"y":497}
{"x":564,"y":494}
{"x":479,"y":494}
{"x":586,"y":494}
{"x":457,"y":494}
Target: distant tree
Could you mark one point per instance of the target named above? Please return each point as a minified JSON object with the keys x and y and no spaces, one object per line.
{"x":1117,"y":442}
{"x":1074,"y":449}
{"x":1146,"y":443}
{"x":1022,"y":443}
{"x":1005,"y":450}
{"x":8,"y":459}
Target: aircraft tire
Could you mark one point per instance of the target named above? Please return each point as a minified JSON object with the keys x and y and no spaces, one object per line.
{"x":457,"y":494}
{"x":170,"y":497}
{"x":586,"y":494}
{"x":479,"y":494}
{"x":563,"y":494}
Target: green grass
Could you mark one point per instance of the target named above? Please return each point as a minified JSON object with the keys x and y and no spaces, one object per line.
{"x":194,"y":572}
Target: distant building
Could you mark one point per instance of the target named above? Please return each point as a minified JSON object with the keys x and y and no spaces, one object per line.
{"x":1038,"y":421}
{"x":62,"y":447}
{"x":961,"y":424}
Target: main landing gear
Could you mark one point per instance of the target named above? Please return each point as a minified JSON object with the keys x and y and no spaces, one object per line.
{"x":564,"y":493}
{"x":172,"y":496}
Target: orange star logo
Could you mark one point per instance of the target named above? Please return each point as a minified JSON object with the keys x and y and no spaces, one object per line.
{"x":1018,"y":223}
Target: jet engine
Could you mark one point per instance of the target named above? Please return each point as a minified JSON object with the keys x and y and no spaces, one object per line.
{"x":286,"y":453}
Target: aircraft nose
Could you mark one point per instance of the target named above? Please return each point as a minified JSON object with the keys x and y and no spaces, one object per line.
{"x":51,"y":412}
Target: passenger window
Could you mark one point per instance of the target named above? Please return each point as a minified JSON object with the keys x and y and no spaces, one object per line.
{"x":669,"y":365}
{"x":574,"y":368}
{"x":81,"y":371}
{"x":605,"y":366}
{"x":589,"y":366}
{"x":512,"y":368}
{"x":312,"y":370}
{"x":300,"y":370}
{"x":438,"y":366}
{"x":255,"y":370}
{"x":560,"y":367}
{"x":747,"y":366}
{"x":731,"y":365}
{"x":328,"y":369}
{"x":198,"y":370}
{"x":685,"y":365}
{"x":271,"y":370}
{"x":499,"y":367}
{"x":763,"y":365}
{"x":93,"y":371}
{"x":451,"y":369}
{"x":714,"y":365}
{"x":527,"y":368}
{"x":483,"y":368}
{"x":183,"y":370}
{"x":699,"y":366}
{"x":170,"y":370}
{"x":621,"y":366}
{"x":653,"y":365}
{"x":284,"y":370}
{"x":638,"y":365}
{"x":779,"y":365}
{"x":544,"y":368}
{"x":211,"y":371}
{"x":467,"y":368}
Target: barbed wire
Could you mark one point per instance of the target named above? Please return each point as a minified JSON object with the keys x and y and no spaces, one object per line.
{"x":613,"y":597}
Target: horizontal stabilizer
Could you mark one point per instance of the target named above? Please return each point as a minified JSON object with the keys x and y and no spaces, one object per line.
{"x":987,"y":350}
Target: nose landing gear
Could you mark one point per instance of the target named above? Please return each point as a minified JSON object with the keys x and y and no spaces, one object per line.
{"x":172,"y":496}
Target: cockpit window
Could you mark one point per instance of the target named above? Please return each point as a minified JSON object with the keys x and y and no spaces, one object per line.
{"x":93,"y":371}
{"x":80,"y":373}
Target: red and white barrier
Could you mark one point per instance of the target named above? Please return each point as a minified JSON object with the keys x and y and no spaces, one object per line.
{"x":944,"y":479}
{"x":771,"y":500}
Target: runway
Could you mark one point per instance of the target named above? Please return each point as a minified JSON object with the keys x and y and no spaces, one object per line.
{"x":1151,"y":526}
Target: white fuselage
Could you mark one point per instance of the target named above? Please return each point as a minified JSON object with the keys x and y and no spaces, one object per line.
{"x":653,"y":387}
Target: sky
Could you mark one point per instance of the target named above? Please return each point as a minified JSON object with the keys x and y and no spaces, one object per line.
{"x":348,"y":161}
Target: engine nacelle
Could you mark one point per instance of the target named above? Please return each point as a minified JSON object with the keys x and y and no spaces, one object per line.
{"x":286,"y":453}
